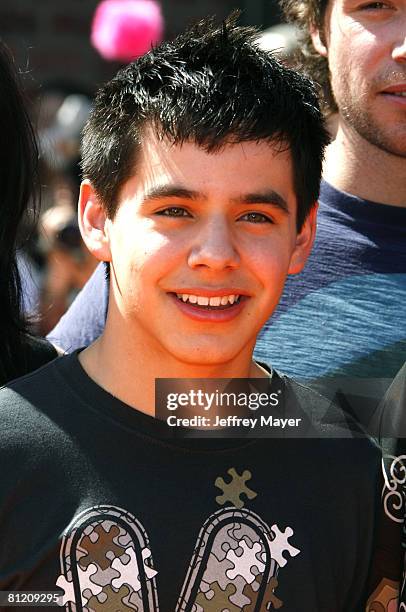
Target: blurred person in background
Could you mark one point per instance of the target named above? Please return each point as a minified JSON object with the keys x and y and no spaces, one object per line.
{"x":67,"y":264}
{"x":20,"y":352}
{"x":281,"y":40}
{"x":61,"y":115}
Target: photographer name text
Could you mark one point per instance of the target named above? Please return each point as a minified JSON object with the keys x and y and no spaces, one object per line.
{"x":232,"y":421}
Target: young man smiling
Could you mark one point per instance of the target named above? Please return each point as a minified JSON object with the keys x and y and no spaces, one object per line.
{"x":198,"y":250}
{"x":341,"y":317}
{"x":202,"y":163}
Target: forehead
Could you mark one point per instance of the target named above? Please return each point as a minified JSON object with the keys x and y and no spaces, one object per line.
{"x":234,"y":169}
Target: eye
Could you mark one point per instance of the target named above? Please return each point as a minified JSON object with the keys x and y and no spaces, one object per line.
{"x":255,"y":217}
{"x":173,"y":211}
{"x":372,"y":6}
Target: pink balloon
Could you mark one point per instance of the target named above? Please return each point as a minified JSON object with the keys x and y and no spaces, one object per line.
{"x":125,"y":29}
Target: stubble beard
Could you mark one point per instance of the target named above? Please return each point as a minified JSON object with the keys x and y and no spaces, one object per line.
{"x":360,"y":118}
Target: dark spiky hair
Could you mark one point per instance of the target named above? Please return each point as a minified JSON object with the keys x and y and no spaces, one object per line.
{"x":211,"y":85}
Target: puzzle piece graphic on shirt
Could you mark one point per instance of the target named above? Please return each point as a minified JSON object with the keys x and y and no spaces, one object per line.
{"x":110,"y":601}
{"x":234,"y":489}
{"x":216,"y":571}
{"x":88,"y":586}
{"x":223,"y":542}
{"x":86,"y":582}
{"x":129,"y":572}
{"x":97,"y":548}
{"x":134,"y":602}
{"x":67,"y":586}
{"x":219,"y":549}
{"x":103,"y":577}
{"x":92,"y":545}
{"x":238,"y":532}
{"x":244,"y":563}
{"x":124,"y":540}
{"x":239,"y":599}
{"x":280,"y":544}
{"x":269,"y":597}
{"x":219,"y":601}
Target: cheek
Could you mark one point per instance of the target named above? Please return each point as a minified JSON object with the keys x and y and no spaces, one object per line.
{"x":269,"y":260}
{"x":137,"y":246}
{"x":353,"y":60}
{"x":339,"y":62}
{"x":139,"y":266}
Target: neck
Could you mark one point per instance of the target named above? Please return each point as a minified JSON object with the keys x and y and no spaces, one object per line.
{"x":357,"y":167}
{"x":126,"y":366}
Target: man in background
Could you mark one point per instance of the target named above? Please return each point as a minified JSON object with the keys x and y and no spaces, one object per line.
{"x":346,"y":307}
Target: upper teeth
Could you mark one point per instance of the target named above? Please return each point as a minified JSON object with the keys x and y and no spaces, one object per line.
{"x":202,"y":300}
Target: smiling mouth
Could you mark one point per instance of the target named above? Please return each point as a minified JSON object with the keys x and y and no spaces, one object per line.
{"x":398,"y":90}
{"x":398,"y":94}
{"x":210,"y":303}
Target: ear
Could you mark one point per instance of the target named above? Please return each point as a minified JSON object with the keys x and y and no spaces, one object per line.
{"x":304,"y":242}
{"x":318,"y":41}
{"x":93,"y":222}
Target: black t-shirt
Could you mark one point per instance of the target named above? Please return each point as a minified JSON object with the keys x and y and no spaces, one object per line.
{"x":93,"y":500}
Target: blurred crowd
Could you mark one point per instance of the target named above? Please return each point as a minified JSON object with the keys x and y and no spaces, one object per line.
{"x":54,"y":263}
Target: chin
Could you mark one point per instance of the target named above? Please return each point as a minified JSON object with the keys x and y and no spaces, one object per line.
{"x":205,"y":357}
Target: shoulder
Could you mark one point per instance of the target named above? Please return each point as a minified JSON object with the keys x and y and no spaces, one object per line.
{"x":328,"y":193}
{"x":38,"y":352}
{"x":36,"y":411}
{"x":26,"y":392}
{"x":31,"y":353}
{"x":39,"y":451}
{"x":25,"y":401}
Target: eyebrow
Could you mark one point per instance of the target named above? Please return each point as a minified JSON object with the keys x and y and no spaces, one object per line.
{"x":270,"y":197}
{"x":172,"y":191}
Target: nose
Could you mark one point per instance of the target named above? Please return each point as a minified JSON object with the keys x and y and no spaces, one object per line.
{"x":214,"y":246}
{"x":399,"y":48}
